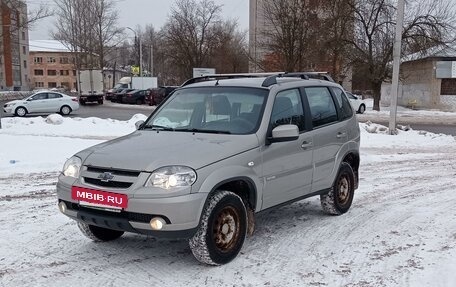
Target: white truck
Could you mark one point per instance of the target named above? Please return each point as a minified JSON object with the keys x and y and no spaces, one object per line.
{"x":91,"y":86}
{"x":137,"y":83}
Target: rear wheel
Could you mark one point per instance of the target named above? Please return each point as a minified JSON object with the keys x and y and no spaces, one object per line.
{"x":82,"y":102}
{"x":99,"y":234}
{"x":21,"y":112}
{"x":100,"y":102}
{"x":65,"y":110}
{"x":222,"y":230}
{"x":339,"y":199}
{"x":139,"y":101}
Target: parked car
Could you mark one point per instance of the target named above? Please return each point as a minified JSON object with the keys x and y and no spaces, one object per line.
{"x":42,"y":102}
{"x":135,"y":97}
{"x":217,"y":152}
{"x":157,"y":95}
{"x":118,"y":96}
{"x":357,"y":103}
{"x":110,"y":94}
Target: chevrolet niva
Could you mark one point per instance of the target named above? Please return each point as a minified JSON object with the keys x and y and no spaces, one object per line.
{"x":217,"y":151}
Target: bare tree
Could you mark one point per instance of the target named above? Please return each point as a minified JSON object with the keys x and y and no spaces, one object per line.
{"x":289,"y":34}
{"x":189,"y":35}
{"x":427,"y":23}
{"x":87,"y":27}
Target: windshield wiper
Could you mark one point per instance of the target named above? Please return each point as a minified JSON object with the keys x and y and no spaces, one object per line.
{"x":157,"y":127}
{"x":193,"y":130}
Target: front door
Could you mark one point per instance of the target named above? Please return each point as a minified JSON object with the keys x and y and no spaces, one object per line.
{"x":287,"y":166}
{"x":38,"y":103}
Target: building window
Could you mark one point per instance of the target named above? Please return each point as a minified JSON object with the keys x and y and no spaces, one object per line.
{"x":38,"y":72}
{"x":24,"y":50}
{"x":74,"y":73}
{"x":38,"y":60}
{"x":25,"y":64}
{"x":64,"y":60}
{"x":23,"y":35}
{"x":51,"y":59}
{"x":64,"y":73}
{"x":75,"y":86}
{"x":52,"y":73}
{"x":39,"y":85}
{"x":52,"y":85}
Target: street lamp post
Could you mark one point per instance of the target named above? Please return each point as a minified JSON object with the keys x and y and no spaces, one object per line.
{"x":140,"y":50}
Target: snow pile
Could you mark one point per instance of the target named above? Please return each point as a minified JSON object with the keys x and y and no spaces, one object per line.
{"x":375,"y":135}
{"x":56,"y":125}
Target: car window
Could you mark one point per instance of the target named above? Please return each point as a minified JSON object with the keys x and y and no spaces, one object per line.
{"x":54,"y":96}
{"x":287,"y":109}
{"x":343,"y":105}
{"x":350,"y":96}
{"x":40,"y":96}
{"x":321,"y":105}
{"x":225,"y":109}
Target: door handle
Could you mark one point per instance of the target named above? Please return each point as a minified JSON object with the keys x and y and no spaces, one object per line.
{"x":341,"y":135}
{"x":306,"y":144}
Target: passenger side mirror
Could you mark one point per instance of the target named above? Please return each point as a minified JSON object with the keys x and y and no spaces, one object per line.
{"x":284,"y":133}
{"x":139,"y":124}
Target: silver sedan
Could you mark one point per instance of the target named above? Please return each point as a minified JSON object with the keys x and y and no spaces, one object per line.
{"x":42,"y":102}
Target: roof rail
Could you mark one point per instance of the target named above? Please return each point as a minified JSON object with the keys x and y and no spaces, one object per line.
{"x":271,"y":78}
{"x":226,"y":76}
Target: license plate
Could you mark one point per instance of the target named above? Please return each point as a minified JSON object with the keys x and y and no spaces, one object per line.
{"x":99,"y":197}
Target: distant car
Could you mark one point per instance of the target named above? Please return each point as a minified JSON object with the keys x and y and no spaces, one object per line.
{"x":110,"y":94}
{"x":157,"y":95}
{"x":357,"y":103}
{"x":135,"y":97}
{"x":42,"y":102}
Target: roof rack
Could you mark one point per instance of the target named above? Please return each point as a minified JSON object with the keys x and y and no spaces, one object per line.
{"x":271,"y":78}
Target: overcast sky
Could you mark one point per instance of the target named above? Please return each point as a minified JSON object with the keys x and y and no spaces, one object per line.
{"x":142,"y":12}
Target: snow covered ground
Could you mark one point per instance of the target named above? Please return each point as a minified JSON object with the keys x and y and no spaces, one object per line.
{"x":401,"y":230}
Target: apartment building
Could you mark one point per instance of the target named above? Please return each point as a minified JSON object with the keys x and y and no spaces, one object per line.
{"x":51,"y":65}
{"x":14,"y":52}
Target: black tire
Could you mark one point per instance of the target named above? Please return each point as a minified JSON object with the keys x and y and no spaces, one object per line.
{"x":20,"y":112}
{"x":83,"y":103}
{"x":100,"y":102}
{"x":362,"y":109}
{"x":139,"y":102}
{"x":65,"y":110}
{"x":222,"y":229}
{"x":99,"y":234}
{"x":339,"y":199}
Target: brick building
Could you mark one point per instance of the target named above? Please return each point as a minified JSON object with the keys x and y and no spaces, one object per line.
{"x":14,"y":50}
{"x":51,"y":65}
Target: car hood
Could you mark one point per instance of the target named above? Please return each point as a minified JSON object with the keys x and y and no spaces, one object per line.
{"x":149,"y":150}
{"x":15,"y":102}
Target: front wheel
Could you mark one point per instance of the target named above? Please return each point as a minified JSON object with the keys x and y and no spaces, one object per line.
{"x":222,"y":230}
{"x":362,"y":109}
{"x":99,"y":234}
{"x":339,"y":199}
{"x":21,"y":112}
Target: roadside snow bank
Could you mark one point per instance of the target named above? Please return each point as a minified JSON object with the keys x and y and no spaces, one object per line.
{"x":56,"y":125}
{"x":375,"y":135}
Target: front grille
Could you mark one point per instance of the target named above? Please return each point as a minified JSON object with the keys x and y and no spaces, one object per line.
{"x":114,"y":184}
{"x":113,"y":171}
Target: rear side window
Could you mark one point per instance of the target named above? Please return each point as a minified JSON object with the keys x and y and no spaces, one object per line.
{"x":288,"y":109}
{"x":54,"y":96}
{"x":322,"y":107}
{"x":343,"y":105}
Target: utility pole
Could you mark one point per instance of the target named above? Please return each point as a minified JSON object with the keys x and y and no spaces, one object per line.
{"x":152,"y":60}
{"x":396,"y":66}
{"x":140,"y":56}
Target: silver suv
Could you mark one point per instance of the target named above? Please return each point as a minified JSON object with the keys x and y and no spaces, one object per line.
{"x":216,"y":152}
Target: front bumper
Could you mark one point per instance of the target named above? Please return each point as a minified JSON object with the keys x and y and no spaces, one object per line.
{"x":181,"y":213}
{"x":8,"y":111}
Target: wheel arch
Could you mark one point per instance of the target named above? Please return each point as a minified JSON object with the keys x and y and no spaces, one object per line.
{"x":352,"y":158}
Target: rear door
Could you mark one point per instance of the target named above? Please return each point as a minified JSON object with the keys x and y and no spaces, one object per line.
{"x":287,"y":166}
{"x":55,"y":102}
{"x":329,"y":134}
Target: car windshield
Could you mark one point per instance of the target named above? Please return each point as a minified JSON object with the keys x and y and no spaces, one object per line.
{"x":227,"y":110}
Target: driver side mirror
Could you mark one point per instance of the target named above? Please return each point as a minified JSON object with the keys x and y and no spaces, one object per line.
{"x":29,"y":100}
{"x":139,"y":124}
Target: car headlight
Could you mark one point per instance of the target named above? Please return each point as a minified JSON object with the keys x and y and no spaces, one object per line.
{"x":172,"y":176}
{"x":72,"y":167}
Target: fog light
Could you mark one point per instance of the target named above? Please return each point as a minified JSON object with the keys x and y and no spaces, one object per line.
{"x":157,"y":223}
{"x":62,"y":207}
